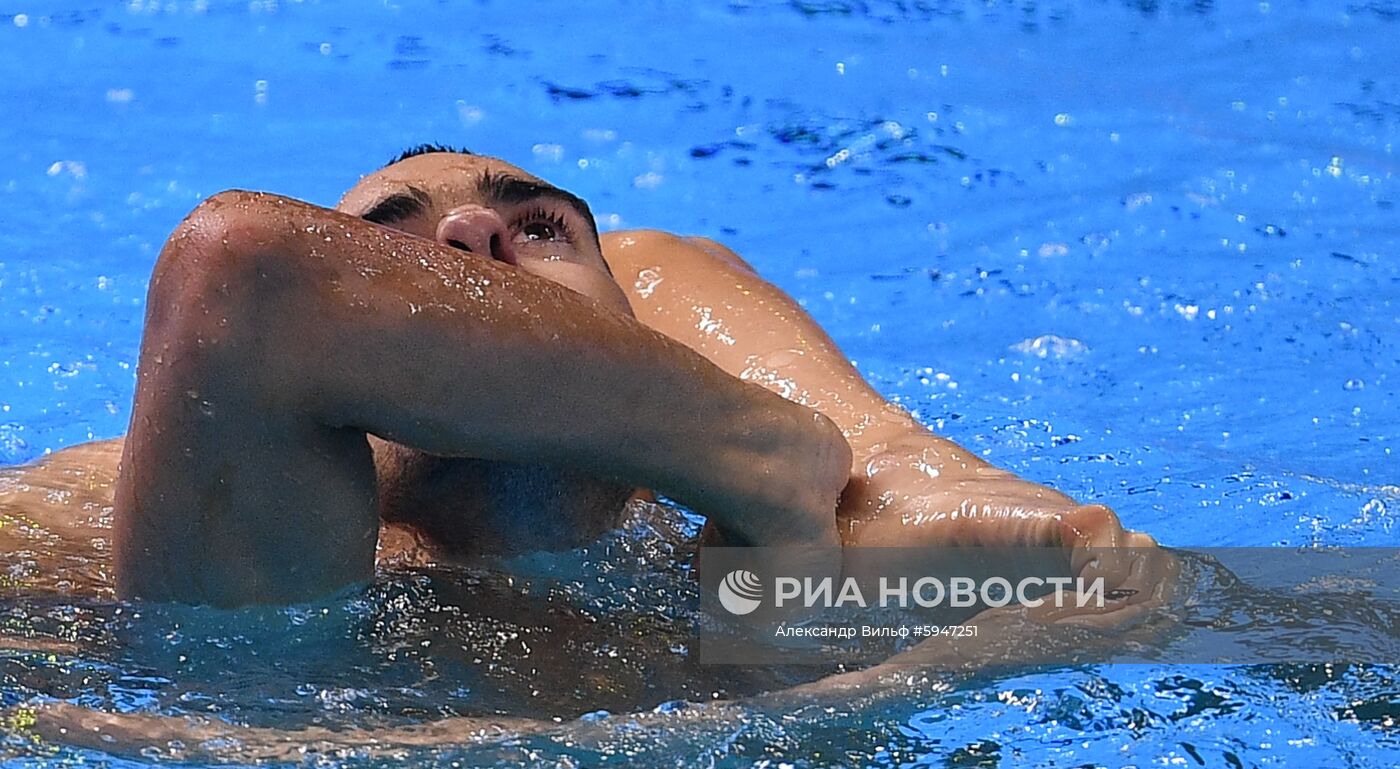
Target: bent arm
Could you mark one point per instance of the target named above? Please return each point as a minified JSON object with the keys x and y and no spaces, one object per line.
{"x":279,"y":333}
{"x":703,"y":295}
{"x":907,"y":486}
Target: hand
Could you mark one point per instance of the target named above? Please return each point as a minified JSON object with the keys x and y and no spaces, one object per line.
{"x":922,"y":491}
{"x":1139,"y":575}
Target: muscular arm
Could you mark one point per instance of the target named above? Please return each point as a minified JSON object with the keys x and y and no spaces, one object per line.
{"x":278,"y":334}
{"x":907,"y":485}
{"x":704,"y":296}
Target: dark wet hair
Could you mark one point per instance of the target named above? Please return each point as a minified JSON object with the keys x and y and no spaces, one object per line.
{"x":424,"y":149}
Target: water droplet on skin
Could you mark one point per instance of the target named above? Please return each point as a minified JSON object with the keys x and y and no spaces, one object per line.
{"x":647,"y":281}
{"x":928,"y":469}
{"x":205,"y":407}
{"x":880,"y":462}
{"x":777,"y":358}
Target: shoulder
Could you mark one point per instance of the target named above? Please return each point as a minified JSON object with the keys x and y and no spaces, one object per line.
{"x":636,"y":249}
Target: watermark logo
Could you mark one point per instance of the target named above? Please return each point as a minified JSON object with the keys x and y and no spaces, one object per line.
{"x":965,"y":607}
{"x":740,"y":592}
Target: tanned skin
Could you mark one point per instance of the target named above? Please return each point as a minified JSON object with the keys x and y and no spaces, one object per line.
{"x":279,"y":335}
{"x":450,"y":353}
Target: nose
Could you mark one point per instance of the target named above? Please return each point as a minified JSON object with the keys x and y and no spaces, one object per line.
{"x":479,"y":230}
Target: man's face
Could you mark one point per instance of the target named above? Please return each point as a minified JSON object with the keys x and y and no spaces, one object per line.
{"x":493,"y":210}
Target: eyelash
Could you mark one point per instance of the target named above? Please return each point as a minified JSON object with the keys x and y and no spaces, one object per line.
{"x":561,"y":227}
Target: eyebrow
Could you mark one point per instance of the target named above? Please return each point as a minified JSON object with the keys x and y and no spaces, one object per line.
{"x":399,"y":206}
{"x":510,"y":190}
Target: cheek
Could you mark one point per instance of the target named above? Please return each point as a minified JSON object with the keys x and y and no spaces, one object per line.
{"x":546,"y":250}
{"x":588,"y":281}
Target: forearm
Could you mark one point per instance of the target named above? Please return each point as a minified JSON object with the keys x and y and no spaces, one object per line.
{"x":701,"y":294}
{"x":904,"y":481}
{"x":462,"y":356}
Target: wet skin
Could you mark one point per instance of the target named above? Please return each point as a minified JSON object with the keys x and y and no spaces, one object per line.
{"x":309,"y":380}
{"x":306,"y":373}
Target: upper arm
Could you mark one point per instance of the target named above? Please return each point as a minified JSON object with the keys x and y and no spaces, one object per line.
{"x":705,"y":296}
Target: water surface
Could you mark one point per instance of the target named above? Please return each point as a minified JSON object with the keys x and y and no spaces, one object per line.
{"x":1141,"y":251}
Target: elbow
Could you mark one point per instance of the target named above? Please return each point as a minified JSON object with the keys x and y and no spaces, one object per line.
{"x":213,"y":254}
{"x":224,"y":229}
{"x":221,"y":282}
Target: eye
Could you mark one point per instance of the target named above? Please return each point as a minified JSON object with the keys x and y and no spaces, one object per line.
{"x":542,"y":225}
{"x":539,"y":231}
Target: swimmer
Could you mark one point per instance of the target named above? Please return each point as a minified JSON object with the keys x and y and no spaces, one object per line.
{"x":453,"y":362}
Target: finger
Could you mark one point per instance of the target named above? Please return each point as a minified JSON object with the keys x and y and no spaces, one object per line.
{"x":1148,"y":586}
{"x":1095,"y":535}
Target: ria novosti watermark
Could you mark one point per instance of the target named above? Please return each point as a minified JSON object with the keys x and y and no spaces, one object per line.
{"x":741,"y":592}
{"x":862,"y":606}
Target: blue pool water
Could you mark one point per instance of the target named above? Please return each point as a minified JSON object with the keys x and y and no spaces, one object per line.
{"x":1141,"y":251}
